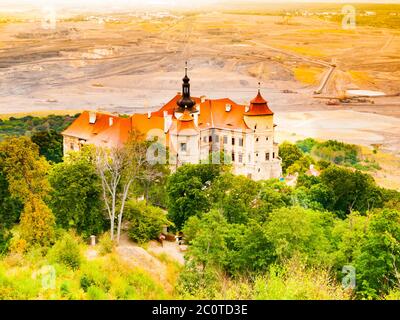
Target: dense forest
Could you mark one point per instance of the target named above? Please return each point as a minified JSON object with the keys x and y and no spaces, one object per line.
{"x":333,"y":235}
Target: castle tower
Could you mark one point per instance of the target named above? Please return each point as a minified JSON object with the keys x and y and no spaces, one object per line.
{"x":263,"y":158}
{"x":186,"y":102}
{"x":185,"y":139}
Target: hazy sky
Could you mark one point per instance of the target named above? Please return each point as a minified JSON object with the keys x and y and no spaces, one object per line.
{"x":162,"y":2}
{"x":9,"y":5}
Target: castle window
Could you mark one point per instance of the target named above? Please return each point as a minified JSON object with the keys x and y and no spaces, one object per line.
{"x":273,"y":155}
{"x":240,"y":158}
{"x":183,"y":147}
{"x":249,"y":157}
{"x":241,"y":142}
{"x":259,"y":169}
{"x":205,"y":138}
{"x":257,"y":154}
{"x":257,"y":139}
{"x":216,"y":138}
{"x":71,"y":146}
{"x":267,"y":156}
{"x":233,"y":141}
{"x":225,"y":139}
{"x":233,"y":157}
{"x":266,"y":138}
{"x":210,"y":139}
{"x":255,"y":127}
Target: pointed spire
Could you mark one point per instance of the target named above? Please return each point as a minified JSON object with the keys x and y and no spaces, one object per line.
{"x":185,"y":102}
{"x":185,"y":68}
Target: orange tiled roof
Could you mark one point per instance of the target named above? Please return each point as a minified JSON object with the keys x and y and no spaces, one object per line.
{"x":115,"y":135}
{"x":184,"y":125}
{"x":212,"y":114}
{"x":143,"y":124}
{"x":84,"y":130}
{"x":259,"y":107}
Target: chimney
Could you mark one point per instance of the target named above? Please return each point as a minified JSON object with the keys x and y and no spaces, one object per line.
{"x":246,"y":108}
{"x":92,"y":117}
{"x":196,"y":119}
{"x":228,"y":107}
{"x":148,"y":114}
{"x":203,"y":99}
{"x":110,"y":121}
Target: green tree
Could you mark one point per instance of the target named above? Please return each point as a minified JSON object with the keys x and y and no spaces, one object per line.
{"x":208,"y":244}
{"x":301,"y":165}
{"x":153,"y":177}
{"x":26,"y":171}
{"x":50,"y":144}
{"x":350,"y":191}
{"x":187,"y":191}
{"x":289,"y":153}
{"x":347,"y":237}
{"x":236,"y":196}
{"x":337,"y":152}
{"x":377,"y":265}
{"x":26,"y":174}
{"x":249,"y":249}
{"x":10,"y":210}
{"x":37,"y":222}
{"x":274,"y":194}
{"x":145,"y":222}
{"x":76,"y":195}
{"x":306,"y":145}
{"x":301,"y":231}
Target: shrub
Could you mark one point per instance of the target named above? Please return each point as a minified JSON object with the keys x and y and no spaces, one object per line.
{"x":106,"y":245}
{"x":17,"y":245}
{"x":95,"y":293}
{"x":294,"y":281}
{"x":66,"y":251}
{"x":92,"y":275}
{"x":146,"y":222}
{"x":194,"y":283}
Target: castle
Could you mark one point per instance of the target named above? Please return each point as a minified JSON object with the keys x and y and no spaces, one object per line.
{"x":192,"y":129}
